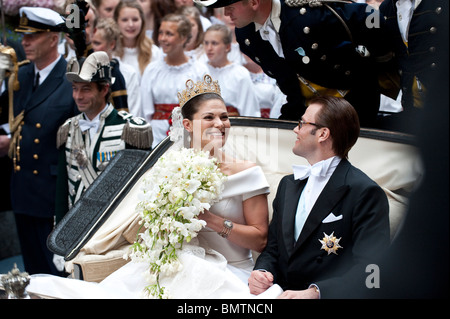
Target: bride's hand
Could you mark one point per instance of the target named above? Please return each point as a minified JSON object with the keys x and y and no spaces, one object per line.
{"x":213,"y":221}
{"x":206,"y":215}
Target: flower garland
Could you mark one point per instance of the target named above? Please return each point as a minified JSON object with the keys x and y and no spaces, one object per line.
{"x":179,"y":187}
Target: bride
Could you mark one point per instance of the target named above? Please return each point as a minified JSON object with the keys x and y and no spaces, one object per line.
{"x":218,"y":262}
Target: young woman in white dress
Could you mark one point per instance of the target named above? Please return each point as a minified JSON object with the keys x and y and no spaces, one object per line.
{"x":162,"y":79}
{"x":135,"y":48}
{"x":244,"y":200}
{"x":194,"y":47}
{"x":218,"y":262}
{"x":235,"y":81}
{"x":105,"y":38}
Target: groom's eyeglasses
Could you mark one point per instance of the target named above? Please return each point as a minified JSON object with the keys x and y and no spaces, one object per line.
{"x":301,"y":123}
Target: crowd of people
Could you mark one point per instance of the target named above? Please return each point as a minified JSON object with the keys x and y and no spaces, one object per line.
{"x":271,"y":58}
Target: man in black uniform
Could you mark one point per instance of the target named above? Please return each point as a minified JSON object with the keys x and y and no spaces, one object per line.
{"x":41,"y":104}
{"x":418,"y":33}
{"x":313,"y":47}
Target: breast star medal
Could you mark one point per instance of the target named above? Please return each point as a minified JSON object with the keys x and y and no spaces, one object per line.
{"x":330,"y":243}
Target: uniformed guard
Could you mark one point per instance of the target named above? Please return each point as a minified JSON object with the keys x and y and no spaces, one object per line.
{"x":312,"y":47}
{"x":40,"y":102}
{"x":90,"y":140}
{"x":418,"y":31}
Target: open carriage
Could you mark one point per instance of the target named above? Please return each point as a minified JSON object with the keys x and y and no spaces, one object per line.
{"x":96,"y":233}
{"x":100,"y":228}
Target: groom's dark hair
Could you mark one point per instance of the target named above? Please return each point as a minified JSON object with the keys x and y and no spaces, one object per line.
{"x":340,"y":117}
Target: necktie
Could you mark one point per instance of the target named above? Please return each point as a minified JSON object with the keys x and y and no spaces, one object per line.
{"x":36,"y":81}
{"x":300,"y":217}
{"x":268,"y":33}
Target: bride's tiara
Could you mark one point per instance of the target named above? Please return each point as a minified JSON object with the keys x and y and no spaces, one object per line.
{"x":201,"y":87}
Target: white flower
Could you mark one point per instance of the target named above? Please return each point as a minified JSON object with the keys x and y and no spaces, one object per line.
{"x":192,"y":185}
{"x":179,"y":187}
{"x":188,"y":212}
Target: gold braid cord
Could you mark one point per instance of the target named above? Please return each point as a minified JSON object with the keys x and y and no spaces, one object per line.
{"x":15,"y":123}
{"x":312,"y":3}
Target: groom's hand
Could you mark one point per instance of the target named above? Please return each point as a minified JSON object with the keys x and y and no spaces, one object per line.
{"x":259,"y":281}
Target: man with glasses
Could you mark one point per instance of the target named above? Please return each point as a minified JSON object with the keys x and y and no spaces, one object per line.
{"x":327,"y":217}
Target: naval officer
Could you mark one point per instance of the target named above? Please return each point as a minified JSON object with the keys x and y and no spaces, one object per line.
{"x":40,"y":105}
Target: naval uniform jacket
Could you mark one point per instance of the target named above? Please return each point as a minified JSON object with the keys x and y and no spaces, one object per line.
{"x":427,"y":46}
{"x":317,"y":47}
{"x":33,"y":186}
{"x":361,"y":222}
{"x":82,"y":160}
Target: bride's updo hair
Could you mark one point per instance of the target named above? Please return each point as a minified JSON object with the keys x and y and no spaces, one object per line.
{"x":191,"y":107}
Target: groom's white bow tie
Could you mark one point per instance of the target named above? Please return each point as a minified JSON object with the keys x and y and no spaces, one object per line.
{"x":304,"y":171}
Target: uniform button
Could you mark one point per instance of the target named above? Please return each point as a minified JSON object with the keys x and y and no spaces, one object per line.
{"x":38,"y":125}
{"x":257,"y":59}
{"x":247,"y":42}
{"x":432,"y":49}
{"x":17,"y":168}
{"x":314,"y":46}
{"x":36,"y":141}
{"x":323,"y":57}
{"x":433,"y":65}
{"x":306,"y":30}
{"x":433,"y":30}
{"x":302,"y":11}
{"x":347,"y":72}
{"x":438,"y":10}
{"x":35,"y":156}
{"x":35,"y":172}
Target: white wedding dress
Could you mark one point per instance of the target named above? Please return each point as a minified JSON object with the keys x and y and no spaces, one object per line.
{"x":213,"y":267}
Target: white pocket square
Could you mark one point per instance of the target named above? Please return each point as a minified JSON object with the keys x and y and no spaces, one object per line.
{"x":331,"y":218}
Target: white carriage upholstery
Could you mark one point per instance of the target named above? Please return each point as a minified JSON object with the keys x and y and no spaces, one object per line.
{"x":395,"y":166}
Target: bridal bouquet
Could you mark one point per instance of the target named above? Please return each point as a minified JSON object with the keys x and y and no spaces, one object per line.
{"x":179,"y":187}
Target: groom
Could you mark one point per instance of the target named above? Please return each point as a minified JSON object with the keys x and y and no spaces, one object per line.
{"x":327,"y":218}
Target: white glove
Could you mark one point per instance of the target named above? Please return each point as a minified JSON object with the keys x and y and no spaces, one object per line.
{"x":59,"y":262}
{"x":5,"y":65}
